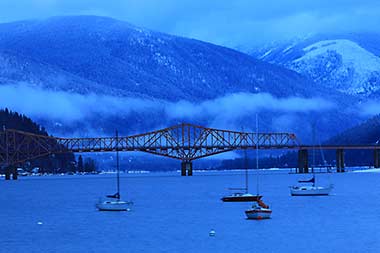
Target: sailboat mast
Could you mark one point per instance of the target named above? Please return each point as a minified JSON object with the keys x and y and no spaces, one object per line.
{"x":313,"y":145}
{"x":246,"y":170}
{"x":117,"y":165}
{"x":245,"y":161}
{"x":257,"y":155}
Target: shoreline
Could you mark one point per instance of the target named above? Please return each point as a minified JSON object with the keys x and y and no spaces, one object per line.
{"x":356,"y":169}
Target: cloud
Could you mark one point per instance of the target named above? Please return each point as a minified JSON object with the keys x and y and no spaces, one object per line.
{"x":370,"y":108}
{"x":64,"y":106}
{"x":242,"y":104}
{"x":69,"y":108}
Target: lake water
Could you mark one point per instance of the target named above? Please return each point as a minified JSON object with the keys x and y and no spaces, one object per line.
{"x":175,"y":214}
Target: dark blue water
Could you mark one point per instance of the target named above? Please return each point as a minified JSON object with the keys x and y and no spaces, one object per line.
{"x":175,"y":214}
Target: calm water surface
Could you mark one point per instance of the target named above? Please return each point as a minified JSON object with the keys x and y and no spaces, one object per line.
{"x":175,"y":214}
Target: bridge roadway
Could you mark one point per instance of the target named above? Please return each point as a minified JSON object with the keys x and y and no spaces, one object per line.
{"x":185,"y":142}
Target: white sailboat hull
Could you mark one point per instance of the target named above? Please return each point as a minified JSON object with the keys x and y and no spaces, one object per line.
{"x":113,"y":205}
{"x":310,"y":190}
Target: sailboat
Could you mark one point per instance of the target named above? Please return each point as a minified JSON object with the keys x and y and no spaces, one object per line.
{"x":114,"y":202}
{"x":310,"y":190}
{"x":242,"y":196}
{"x":259,"y":210}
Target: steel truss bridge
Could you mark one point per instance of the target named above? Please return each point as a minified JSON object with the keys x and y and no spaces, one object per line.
{"x":185,"y":142}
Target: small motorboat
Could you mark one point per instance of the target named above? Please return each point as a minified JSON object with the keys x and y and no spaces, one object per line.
{"x":241,"y":197}
{"x":310,"y":190}
{"x":258,"y":211}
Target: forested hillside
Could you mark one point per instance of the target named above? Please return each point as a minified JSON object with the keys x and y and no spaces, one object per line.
{"x":58,"y":163}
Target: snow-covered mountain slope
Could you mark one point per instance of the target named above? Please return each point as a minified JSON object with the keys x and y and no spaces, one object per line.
{"x":122,"y":59}
{"x":341,"y":64}
{"x":348,"y":63}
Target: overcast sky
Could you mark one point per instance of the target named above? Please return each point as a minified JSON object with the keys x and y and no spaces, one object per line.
{"x":232,"y":23}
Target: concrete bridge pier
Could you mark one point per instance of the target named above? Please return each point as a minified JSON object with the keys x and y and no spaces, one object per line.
{"x":376,"y":161}
{"x":303,"y":161}
{"x":11,"y":172}
{"x":14,"y":173}
{"x":340,"y":160}
{"x":7,"y":173}
{"x":186,"y":168}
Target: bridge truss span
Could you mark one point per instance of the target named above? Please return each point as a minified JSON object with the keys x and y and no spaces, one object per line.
{"x":185,"y":142}
{"x":190,"y":142}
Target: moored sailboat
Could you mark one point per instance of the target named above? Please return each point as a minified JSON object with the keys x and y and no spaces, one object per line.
{"x":242,"y":196}
{"x":310,"y":190}
{"x":259,"y":210}
{"x":114,"y":202}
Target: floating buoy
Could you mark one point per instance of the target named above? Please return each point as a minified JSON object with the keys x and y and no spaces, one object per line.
{"x":212,"y":232}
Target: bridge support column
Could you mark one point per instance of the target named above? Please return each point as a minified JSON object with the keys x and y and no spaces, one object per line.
{"x":7,"y":173}
{"x":340,"y":160}
{"x":11,"y":172}
{"x":376,"y":161}
{"x":183,"y":169}
{"x":186,"y":168}
{"x":303,"y":162}
{"x":14,"y":173}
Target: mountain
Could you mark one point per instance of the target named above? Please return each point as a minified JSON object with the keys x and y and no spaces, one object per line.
{"x":88,"y":53}
{"x":349,"y":63}
{"x":89,"y":75}
{"x":368,"y":132}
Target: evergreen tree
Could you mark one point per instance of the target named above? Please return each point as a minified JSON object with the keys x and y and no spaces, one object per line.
{"x":80,"y":163}
{"x":89,"y":165}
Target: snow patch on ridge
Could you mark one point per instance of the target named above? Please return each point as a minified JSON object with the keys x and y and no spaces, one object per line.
{"x":266,"y":54}
{"x":343,"y":63}
{"x":352,"y":54}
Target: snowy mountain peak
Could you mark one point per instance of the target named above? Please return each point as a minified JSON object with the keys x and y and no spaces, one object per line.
{"x":352,"y":54}
{"x":342,"y":63}
{"x":347,"y":63}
